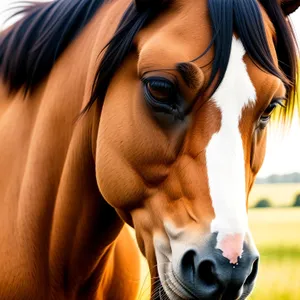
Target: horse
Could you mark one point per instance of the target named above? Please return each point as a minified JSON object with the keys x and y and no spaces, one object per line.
{"x":144,"y":114}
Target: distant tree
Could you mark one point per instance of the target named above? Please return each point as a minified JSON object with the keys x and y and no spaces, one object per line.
{"x":263,"y":203}
{"x":297,"y":201}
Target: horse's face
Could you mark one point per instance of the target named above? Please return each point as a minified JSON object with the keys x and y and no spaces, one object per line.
{"x":179,"y":167}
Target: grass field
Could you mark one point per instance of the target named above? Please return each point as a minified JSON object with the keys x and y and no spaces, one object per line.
{"x":276,"y":232}
{"x":277,"y":235}
{"x":278,"y":194}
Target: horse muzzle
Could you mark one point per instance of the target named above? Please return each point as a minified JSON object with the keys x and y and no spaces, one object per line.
{"x":204,"y":273}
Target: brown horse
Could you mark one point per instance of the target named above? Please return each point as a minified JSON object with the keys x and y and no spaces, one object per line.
{"x":164,"y":131}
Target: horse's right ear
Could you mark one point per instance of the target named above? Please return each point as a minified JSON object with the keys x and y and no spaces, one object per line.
{"x":142,"y":5}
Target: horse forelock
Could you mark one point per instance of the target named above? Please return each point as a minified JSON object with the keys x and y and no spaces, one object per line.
{"x":227,"y":17}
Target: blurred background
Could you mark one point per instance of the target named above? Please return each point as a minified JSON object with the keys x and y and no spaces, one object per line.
{"x":274,"y":215}
{"x":274,"y":207}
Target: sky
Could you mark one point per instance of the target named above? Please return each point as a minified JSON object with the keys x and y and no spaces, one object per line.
{"x":283,"y":151}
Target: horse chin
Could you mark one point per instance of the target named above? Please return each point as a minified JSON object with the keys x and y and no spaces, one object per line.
{"x":164,"y":293}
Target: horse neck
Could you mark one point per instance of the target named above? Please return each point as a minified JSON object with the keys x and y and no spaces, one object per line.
{"x":71,"y":227}
{"x":84,"y":225}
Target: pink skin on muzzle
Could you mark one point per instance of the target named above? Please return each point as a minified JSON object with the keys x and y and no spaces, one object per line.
{"x":232,"y":247}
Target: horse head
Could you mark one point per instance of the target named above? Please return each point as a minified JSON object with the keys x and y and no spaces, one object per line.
{"x":183,"y":135}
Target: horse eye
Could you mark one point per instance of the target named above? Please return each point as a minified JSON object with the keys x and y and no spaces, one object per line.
{"x":265,"y":117}
{"x":161,"y":89}
{"x":162,"y":96}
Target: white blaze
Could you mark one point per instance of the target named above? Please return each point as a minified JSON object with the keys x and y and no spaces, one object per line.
{"x":225,"y":154}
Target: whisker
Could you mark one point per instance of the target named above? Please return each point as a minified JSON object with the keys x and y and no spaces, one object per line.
{"x":155,"y":280}
{"x":157,"y":291}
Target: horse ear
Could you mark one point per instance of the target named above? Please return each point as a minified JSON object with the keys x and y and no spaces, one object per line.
{"x":289,"y":6}
{"x":142,"y":5}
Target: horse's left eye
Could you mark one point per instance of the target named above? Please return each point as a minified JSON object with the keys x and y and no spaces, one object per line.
{"x":265,"y":117}
{"x":162,"y":95}
{"x":161,"y":90}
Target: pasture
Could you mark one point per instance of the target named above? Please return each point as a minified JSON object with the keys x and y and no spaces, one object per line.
{"x":279,"y":195}
{"x":277,"y":235}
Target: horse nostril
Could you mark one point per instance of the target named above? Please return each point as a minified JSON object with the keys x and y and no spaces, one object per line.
{"x":206,"y":272}
{"x":250,"y":279}
{"x":188,"y":265}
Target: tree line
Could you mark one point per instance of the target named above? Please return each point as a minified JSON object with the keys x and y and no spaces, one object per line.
{"x":286,"y":178}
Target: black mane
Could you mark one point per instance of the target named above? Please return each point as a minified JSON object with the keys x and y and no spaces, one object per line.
{"x":30,"y":48}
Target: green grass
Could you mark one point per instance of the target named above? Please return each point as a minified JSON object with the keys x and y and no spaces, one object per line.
{"x":277,"y":235}
{"x":278,"y":279}
{"x":280,"y":253}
